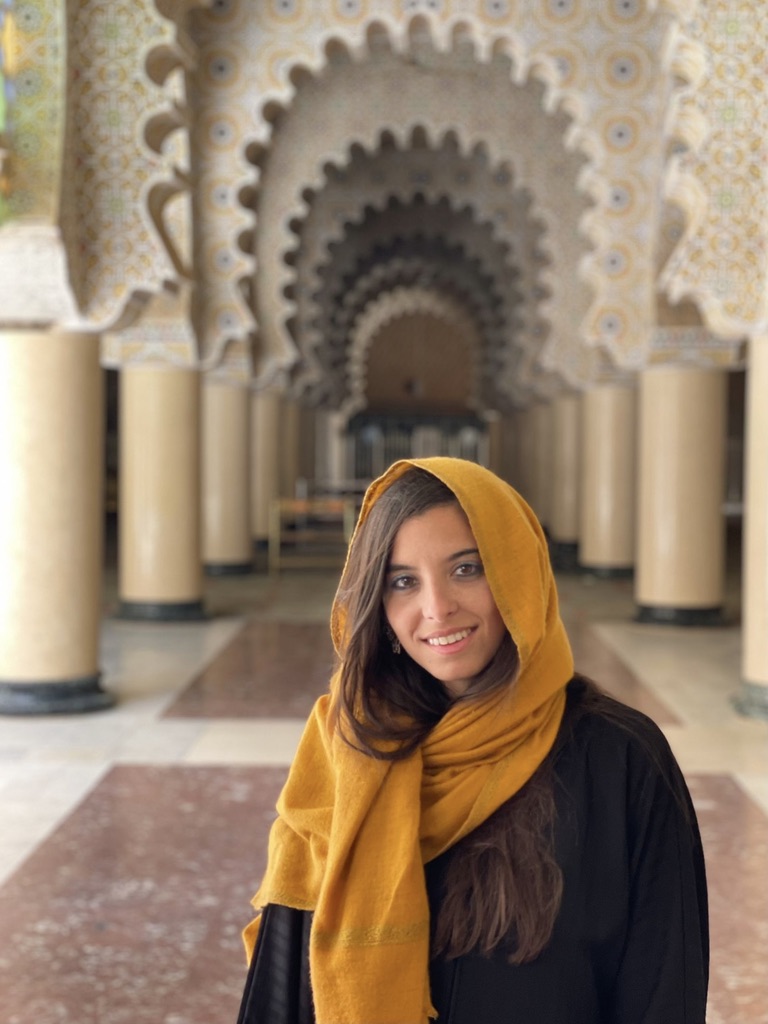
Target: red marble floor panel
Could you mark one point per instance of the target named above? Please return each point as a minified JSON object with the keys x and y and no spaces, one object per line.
{"x":734,"y":832}
{"x":278,"y":669}
{"x":131,"y":912}
{"x":268,"y":670}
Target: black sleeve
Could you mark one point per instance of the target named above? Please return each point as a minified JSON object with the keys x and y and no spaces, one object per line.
{"x":277,"y":989}
{"x":663,"y":969}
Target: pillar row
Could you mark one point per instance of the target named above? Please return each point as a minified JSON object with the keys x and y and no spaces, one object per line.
{"x":226,"y":466}
{"x":608,"y":486}
{"x":51,"y":525}
{"x":681,"y":531}
{"x":160,"y":567}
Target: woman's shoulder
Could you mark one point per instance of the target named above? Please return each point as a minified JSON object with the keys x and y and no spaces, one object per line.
{"x":596,"y":726}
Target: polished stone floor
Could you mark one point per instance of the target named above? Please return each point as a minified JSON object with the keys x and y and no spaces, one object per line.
{"x":132,"y":839}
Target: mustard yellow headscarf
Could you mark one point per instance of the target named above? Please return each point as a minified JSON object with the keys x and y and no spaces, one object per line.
{"x":354,"y":833}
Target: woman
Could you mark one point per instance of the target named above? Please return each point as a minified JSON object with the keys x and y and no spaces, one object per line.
{"x":470,"y":831}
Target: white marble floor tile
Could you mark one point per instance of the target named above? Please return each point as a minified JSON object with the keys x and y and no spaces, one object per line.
{"x":271,"y":742}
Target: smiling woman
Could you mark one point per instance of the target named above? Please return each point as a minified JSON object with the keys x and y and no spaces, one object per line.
{"x":471,"y":831}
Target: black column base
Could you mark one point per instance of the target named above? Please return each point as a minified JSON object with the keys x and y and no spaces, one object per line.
{"x":564,"y":555}
{"x":67,"y":697}
{"x":162,"y":611}
{"x":228,"y":568}
{"x":668,"y":616}
{"x":609,"y":572}
{"x":752,"y":700}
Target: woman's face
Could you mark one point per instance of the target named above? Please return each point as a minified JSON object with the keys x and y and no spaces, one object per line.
{"x":437,"y":599}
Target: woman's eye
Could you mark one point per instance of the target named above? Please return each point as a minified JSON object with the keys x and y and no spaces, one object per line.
{"x":401,"y":582}
{"x":469,"y":569}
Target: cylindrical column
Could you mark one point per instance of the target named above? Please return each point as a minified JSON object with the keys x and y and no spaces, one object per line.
{"x":265,"y":468}
{"x":290,"y":430}
{"x":681,"y":532}
{"x":495,"y":442}
{"x":526,"y":449}
{"x":226,"y":465}
{"x":566,"y":479}
{"x":51,"y":526}
{"x":608,"y":486}
{"x":542,"y":464}
{"x":753,"y":698}
{"x":160,"y":565}
{"x":509,"y":462}
{"x":336,"y":423}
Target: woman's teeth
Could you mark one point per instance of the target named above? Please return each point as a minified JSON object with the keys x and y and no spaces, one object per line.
{"x":453,"y":638}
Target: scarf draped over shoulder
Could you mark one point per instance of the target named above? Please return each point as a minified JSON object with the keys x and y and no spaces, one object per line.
{"x":353,"y":833}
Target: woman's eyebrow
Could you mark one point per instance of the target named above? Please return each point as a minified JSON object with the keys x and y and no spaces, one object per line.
{"x":399,"y":567}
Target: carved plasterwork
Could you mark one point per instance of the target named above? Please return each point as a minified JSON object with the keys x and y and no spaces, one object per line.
{"x":698,"y":346}
{"x":33,"y":45}
{"x":298,"y":159}
{"x":129,"y":153}
{"x":113,"y":178}
{"x":399,"y":230}
{"x":722,"y":260}
{"x":367,"y":183}
{"x":602,"y":62}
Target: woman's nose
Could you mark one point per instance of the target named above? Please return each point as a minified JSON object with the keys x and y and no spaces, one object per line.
{"x":438,"y":600}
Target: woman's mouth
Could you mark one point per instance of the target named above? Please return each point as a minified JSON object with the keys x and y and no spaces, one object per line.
{"x":450,"y":638}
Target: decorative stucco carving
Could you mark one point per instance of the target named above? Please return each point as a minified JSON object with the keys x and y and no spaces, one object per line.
{"x":721,"y":262}
{"x":601,"y":63}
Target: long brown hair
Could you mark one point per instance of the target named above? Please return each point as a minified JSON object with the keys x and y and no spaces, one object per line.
{"x":387,"y":704}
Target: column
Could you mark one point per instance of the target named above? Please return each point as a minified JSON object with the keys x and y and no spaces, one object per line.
{"x":494,"y":442}
{"x":527,"y":454}
{"x":542,"y":463}
{"x":566,"y":480}
{"x":226,"y":464}
{"x":290,"y":429}
{"x":337,"y":448}
{"x":51,"y":524}
{"x":681,"y":531}
{"x":608,"y":487}
{"x":160,"y":566}
{"x":509,"y":461}
{"x":753,"y":698}
{"x":265,"y":468}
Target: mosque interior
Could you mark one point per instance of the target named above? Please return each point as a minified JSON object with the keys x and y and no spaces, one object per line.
{"x":252,"y":252}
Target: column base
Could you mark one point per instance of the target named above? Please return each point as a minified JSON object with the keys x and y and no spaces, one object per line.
{"x":752,"y":700}
{"x":228,"y":568}
{"x":609,"y":572}
{"x":564,"y":555}
{"x":669,"y":616}
{"x":67,"y":697}
{"x":162,"y":611}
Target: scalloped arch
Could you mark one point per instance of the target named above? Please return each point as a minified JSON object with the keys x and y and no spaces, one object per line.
{"x":509,"y":215}
{"x":284,"y":200}
{"x":398,"y":304}
{"x":275,"y":347}
{"x":532,"y":54}
{"x":475,"y":239}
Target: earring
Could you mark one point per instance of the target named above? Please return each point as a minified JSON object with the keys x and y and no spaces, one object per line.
{"x":395,"y":643}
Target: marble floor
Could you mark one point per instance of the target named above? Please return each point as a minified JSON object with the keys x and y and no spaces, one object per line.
{"x":132,"y":839}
